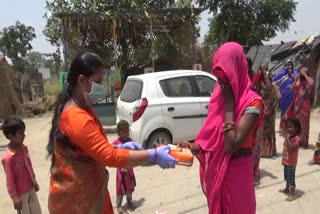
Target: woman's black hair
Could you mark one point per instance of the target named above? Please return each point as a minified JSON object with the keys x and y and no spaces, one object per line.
{"x":86,"y":64}
{"x":296,"y":124}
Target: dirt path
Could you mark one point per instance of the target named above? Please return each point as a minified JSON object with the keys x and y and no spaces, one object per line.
{"x":179,"y":191}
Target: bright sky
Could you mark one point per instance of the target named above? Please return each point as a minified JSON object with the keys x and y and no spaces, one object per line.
{"x":30,"y":12}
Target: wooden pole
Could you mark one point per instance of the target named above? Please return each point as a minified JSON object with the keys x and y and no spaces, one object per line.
{"x":114,"y":25}
{"x":180,"y":48}
{"x":152,"y":47}
{"x":194,"y":54}
{"x":65,"y":45}
{"x":317,"y":85}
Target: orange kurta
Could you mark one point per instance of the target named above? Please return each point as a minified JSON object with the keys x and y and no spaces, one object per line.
{"x":79,"y":180}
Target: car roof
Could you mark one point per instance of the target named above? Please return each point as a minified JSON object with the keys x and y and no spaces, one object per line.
{"x":165,"y":73}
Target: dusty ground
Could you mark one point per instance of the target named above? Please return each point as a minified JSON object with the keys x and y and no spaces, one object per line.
{"x":178,"y":191}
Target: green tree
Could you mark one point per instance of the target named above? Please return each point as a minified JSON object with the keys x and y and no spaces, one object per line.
{"x":248,"y":22}
{"x":53,"y":62}
{"x":35,"y":59}
{"x":48,"y":60}
{"x":15,"y":43}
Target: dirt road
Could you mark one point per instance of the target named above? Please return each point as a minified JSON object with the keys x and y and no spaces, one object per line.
{"x":178,"y":191}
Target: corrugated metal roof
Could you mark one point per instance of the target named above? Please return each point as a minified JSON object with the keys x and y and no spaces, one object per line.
{"x":273,"y":56}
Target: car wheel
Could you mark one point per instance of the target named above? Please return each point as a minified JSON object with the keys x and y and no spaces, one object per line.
{"x":157,"y":139}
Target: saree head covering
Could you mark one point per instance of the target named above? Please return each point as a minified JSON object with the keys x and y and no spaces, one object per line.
{"x":228,"y":62}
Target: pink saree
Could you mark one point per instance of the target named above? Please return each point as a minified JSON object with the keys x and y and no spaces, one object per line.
{"x":227,"y":184}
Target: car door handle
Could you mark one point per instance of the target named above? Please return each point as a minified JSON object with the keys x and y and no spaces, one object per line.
{"x":171,"y":109}
{"x":206,"y":106}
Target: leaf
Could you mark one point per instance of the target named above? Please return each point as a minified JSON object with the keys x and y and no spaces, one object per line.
{"x":248,"y":22}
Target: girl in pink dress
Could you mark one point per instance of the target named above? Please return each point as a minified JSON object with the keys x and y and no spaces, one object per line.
{"x":126,"y":180}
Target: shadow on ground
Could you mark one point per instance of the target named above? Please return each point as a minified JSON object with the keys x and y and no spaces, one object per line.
{"x":299,"y":193}
{"x":138,"y":204}
{"x":264,"y":173}
{"x":311,"y":147}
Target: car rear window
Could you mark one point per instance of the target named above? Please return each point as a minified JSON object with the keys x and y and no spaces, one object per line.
{"x":132,"y":91}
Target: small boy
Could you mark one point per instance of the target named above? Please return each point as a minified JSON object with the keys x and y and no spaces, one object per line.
{"x":21,"y":182}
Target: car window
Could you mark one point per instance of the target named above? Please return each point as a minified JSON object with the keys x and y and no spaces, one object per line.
{"x":132,"y":91}
{"x":164,"y":88}
{"x":177,"y":87}
{"x":205,"y":85}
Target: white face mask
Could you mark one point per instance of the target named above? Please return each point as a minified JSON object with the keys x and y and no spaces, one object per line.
{"x":96,"y":93}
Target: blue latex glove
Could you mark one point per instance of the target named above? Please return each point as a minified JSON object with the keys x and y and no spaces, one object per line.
{"x":163,"y":159}
{"x":132,"y":145}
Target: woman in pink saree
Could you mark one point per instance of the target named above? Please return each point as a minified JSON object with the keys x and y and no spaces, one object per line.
{"x":302,"y":103}
{"x":225,"y":143}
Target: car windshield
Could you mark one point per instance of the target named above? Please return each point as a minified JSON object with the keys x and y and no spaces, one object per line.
{"x":132,"y":91}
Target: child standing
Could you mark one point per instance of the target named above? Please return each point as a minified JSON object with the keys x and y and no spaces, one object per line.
{"x":316,"y":154}
{"x":290,"y":156}
{"x":21,"y":182}
{"x":126,"y":181}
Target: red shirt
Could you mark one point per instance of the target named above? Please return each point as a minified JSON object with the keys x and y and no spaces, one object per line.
{"x":19,"y":172}
{"x":290,"y":154}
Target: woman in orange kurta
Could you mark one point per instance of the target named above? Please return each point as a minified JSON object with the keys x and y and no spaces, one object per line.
{"x":79,"y":149}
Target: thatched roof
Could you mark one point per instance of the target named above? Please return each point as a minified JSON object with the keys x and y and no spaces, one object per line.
{"x":162,"y":19}
{"x":305,"y":52}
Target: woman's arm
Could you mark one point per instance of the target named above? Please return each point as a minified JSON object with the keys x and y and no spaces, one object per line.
{"x":234,"y":138}
{"x":278,"y":76}
{"x":265,"y":83}
{"x":83,"y":132}
{"x":310,"y":81}
{"x":137,"y":158}
{"x":293,"y":85}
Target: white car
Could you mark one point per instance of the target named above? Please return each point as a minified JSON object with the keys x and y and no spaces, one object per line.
{"x":165,"y":107}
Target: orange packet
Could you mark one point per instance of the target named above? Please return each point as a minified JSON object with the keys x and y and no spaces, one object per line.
{"x":184,"y":156}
